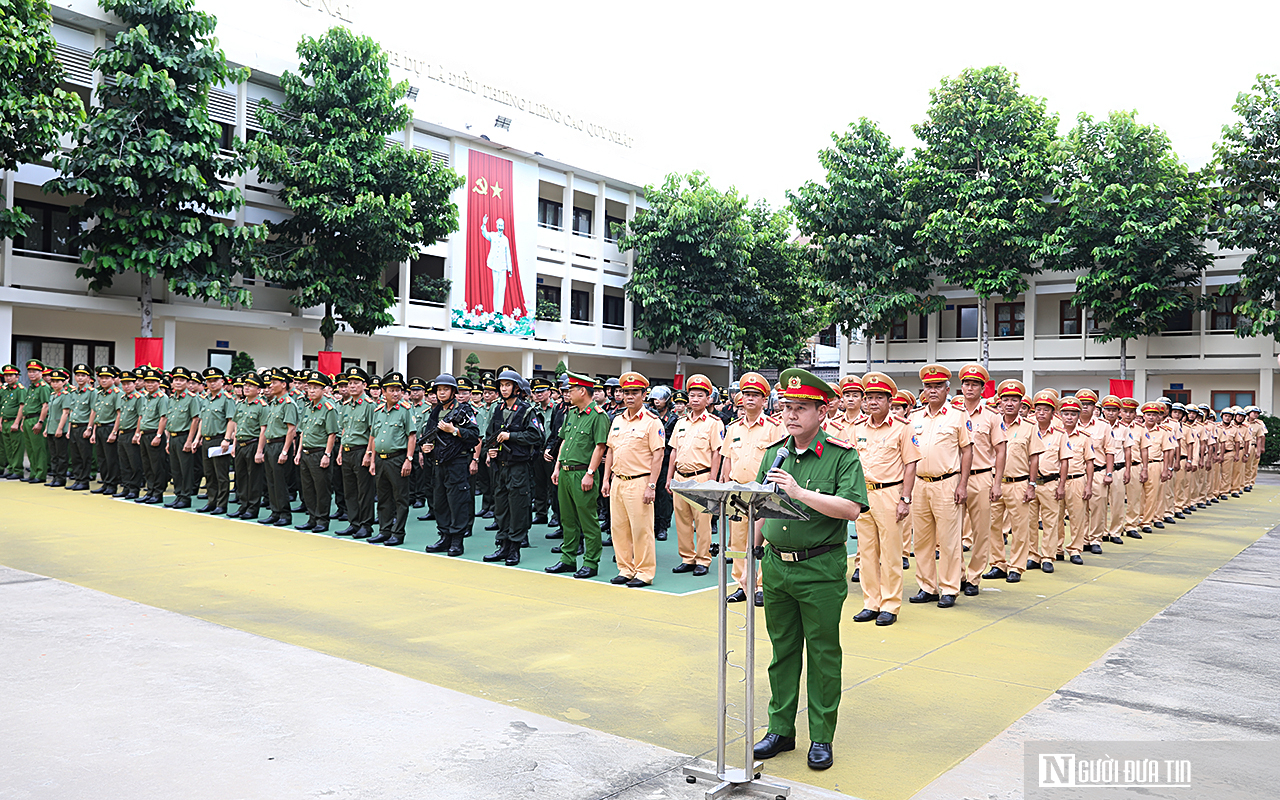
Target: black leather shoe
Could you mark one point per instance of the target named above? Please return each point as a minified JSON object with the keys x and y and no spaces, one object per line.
{"x":1134,"y":534}
{"x":557,"y":550}
{"x":559,"y":567}
{"x":491,"y":527}
{"x":380,"y":538}
{"x":488,"y":514}
{"x":1172,"y":521}
{"x":144,"y":498}
{"x":759,"y":599}
{"x":540,"y":519}
{"x":498,"y":555}
{"x":217,"y":511}
{"x":556,"y":534}
{"x":856,"y":577}
{"x":970,"y":590}
{"x":1032,"y":564}
{"x":131,"y":496}
{"x":772,"y":744}
{"x":586,"y":572}
{"x":1060,"y":557}
{"x":362,"y":533}
{"x":906,"y":563}
{"x":395,"y":541}
{"x":619,"y":580}
{"x":995,"y":574}
{"x":636,"y":583}
{"x":1157,"y":524}
{"x":1014,"y":577}
{"x":121,"y":493}
{"x":320,"y":527}
{"x":1096,"y":549}
{"x":699,"y":571}
{"x":682,"y":567}
{"x":305,"y":526}
{"x":1077,"y":560}
{"x":298,"y":509}
{"x":268,"y":520}
{"x":820,"y":756}
{"x":738,"y":596}
{"x":922,"y":597}
{"x":154,"y":500}
{"x":946,"y":601}
{"x":866,"y":615}
{"x":441,"y":546}
{"x":661,"y":536}
{"x":347,"y":531}
{"x":341,"y":517}
{"x":284,"y":522}
{"x":419,"y":503}
{"x":1046,"y":566}
{"x":885,"y":618}
{"x":1146,"y":529}
{"x":426,"y":517}
{"x":181,"y":504}
{"x":99,"y":490}
{"x":1117,"y":540}
{"x":1179,"y":515}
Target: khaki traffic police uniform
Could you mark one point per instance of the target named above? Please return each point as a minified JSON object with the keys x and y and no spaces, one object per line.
{"x":632,"y":442}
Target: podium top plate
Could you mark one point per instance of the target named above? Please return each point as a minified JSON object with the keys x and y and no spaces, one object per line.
{"x":762,"y":498}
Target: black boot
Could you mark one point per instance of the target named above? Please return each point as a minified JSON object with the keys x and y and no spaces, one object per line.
{"x":440,"y":546}
{"x":455,"y":546}
{"x":500,"y":554}
{"x":513,"y":555}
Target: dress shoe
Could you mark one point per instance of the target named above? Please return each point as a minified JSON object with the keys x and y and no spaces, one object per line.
{"x":855,"y":578}
{"x":320,"y":527}
{"x":866,"y":615}
{"x":99,"y":490}
{"x":1170,"y":521}
{"x":738,"y":596}
{"x":1033,"y":564}
{"x":426,"y":517}
{"x":556,"y":534}
{"x":298,"y":509}
{"x":1179,"y":515}
{"x":699,"y":571}
{"x":1014,"y":577}
{"x":772,"y":744}
{"x":202,"y":496}
{"x":305,"y":526}
{"x":1077,"y":560}
{"x":946,"y":601}
{"x":619,"y":580}
{"x":1157,"y":524}
{"x":1096,"y":549}
{"x":1235,"y":494}
{"x":559,"y":567}
{"x":969,"y":589}
{"x":1046,"y":566}
{"x":660,"y":536}
{"x":1116,"y":540}
{"x":154,"y":500}
{"x":121,"y":493}
{"x":606,"y":541}
{"x":885,"y":618}
{"x":442,"y":545}
{"x":284,"y":522}
{"x":906,"y":563}
{"x":586,"y":572}
{"x":759,"y":598}
{"x":144,"y":498}
{"x":1145,"y":529}
{"x":995,"y":574}
{"x":395,"y":541}
{"x":341,"y":517}
{"x":820,"y":756}
{"x":1060,"y":557}
{"x":498,"y":555}
{"x":1202,"y":505}
{"x":557,"y":550}
{"x":636,"y":583}
{"x":967,"y":548}
{"x":271,"y":520}
{"x":380,"y":538}
{"x":682,"y":567}
{"x":492,"y":527}
{"x":362,"y":533}
{"x":419,"y":503}
{"x":540,"y":519}
{"x":131,"y":496}
{"x":182,"y":504}
{"x":1213,"y":499}
{"x":488,"y":514}
{"x":347,"y":531}
{"x":922,"y":597}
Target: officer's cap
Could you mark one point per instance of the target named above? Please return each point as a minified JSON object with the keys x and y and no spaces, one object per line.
{"x":393,"y":380}
{"x":934,"y":373}
{"x":975,"y":372}
{"x":356,"y":374}
{"x":540,"y":384}
{"x":213,"y":373}
{"x":754,"y":381}
{"x":699,"y":382}
{"x":877,"y":383}
{"x":633,"y":380}
{"x":800,"y":384}
{"x":318,"y":378}
{"x":417,"y":383}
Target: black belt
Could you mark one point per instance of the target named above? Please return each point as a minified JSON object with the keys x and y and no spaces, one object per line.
{"x":209,"y":438}
{"x":392,"y":454}
{"x":630,"y":477}
{"x":1007,"y":479}
{"x":573,"y":467}
{"x":938,"y":478}
{"x":1077,"y":475}
{"x":1183,"y":458}
{"x":1050,"y":478}
{"x":872,"y":487}
{"x":692,"y":474}
{"x":245,"y":441}
{"x":310,"y":451}
{"x":347,"y":448}
{"x":973,"y":472}
{"x":803,"y":555}
{"x":276,"y":440}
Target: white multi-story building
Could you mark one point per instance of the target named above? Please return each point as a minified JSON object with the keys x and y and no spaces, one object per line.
{"x":563,"y":206}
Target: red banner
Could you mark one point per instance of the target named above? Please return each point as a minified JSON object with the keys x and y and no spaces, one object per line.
{"x":148,"y":352}
{"x":329,"y":362}
{"x":989,"y":389}
{"x":1122,"y":389}
{"x":491,"y":240}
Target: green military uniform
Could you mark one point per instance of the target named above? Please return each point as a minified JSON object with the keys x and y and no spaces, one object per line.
{"x":155,"y":461}
{"x":358,"y":489}
{"x":130,"y":454}
{"x":319,"y":423}
{"x":281,"y":413}
{"x":215,"y":412}
{"x":34,"y":408}
{"x":250,"y":482}
{"x":106,"y":408}
{"x":12,"y":396}
{"x":57,"y":440}
{"x":581,"y":432}
{"x":184,"y":410}
{"x":804,"y":591}
{"x":393,"y":433}
{"x":80,"y":405}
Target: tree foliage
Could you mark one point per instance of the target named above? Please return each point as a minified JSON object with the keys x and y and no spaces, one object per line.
{"x":979,"y":183}
{"x":357,"y":203}
{"x":1248,"y":158}
{"x":692,"y":264}
{"x":148,"y":161}
{"x":1131,"y":218}
{"x":863,"y":234}
{"x":34,"y":112}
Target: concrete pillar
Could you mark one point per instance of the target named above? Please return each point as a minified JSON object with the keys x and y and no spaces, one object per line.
{"x":1140,"y":391}
{"x":6,"y":331}
{"x":597,"y":306}
{"x":566,"y":283}
{"x":401,"y":355}
{"x":598,"y":226}
{"x":564,"y":357}
{"x":6,"y":244}
{"x":404,"y":293}
{"x":1266,"y":384}
{"x":526,"y":363}
{"x":628,"y":308}
{"x":295,"y":348}
{"x":446,"y":357}
{"x":625,"y":367}
{"x":931,"y":342}
{"x":171,"y":343}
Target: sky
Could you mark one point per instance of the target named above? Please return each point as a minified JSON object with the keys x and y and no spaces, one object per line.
{"x":748,"y":93}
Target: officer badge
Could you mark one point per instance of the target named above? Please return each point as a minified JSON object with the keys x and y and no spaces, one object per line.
{"x":794,"y":383}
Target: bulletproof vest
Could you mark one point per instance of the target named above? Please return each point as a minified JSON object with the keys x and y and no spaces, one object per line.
{"x":448,"y":447}
{"x":516,"y":421}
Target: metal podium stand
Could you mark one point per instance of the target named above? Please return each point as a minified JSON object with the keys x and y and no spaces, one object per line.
{"x":754,"y":501}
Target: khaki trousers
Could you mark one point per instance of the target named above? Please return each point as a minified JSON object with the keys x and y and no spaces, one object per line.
{"x":1237,"y":475}
{"x":1096,"y":508}
{"x":986,"y":526}
{"x":738,"y":543}
{"x":693,"y":528}
{"x":935,"y":518}
{"x":1166,"y":496}
{"x":1133,"y":500}
{"x":632,"y":529}
{"x":1152,"y":494}
{"x":1047,"y":539}
{"x":1015,"y":514}
{"x":880,"y":545}
{"x":1074,"y":505}
{"x":1115,"y":504}
{"x":1252,"y":474}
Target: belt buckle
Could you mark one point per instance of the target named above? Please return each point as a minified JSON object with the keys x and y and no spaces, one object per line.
{"x":382,"y":455}
{"x":788,"y":556}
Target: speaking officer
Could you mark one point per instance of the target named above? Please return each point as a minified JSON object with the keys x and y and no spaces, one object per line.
{"x":251,"y":413}
{"x":937,"y":503}
{"x":1077,"y":477}
{"x":151,"y":436}
{"x":986,"y":476}
{"x":632,"y":464}
{"x":279,"y":428}
{"x":217,"y":433}
{"x":583,"y":437}
{"x":316,"y":432}
{"x":357,"y":423}
{"x":450,"y":437}
{"x":1012,"y":508}
{"x":392,"y":440}
{"x":514,"y":436}
{"x":888,"y":453}
{"x":745,"y":440}
{"x":695,"y":455}
{"x":805,"y":564}
{"x":104,"y":421}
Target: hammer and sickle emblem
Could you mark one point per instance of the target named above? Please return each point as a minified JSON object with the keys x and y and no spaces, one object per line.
{"x":481,"y":187}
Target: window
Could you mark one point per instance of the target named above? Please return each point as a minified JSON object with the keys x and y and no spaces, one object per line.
{"x":65,"y":353}
{"x":550,"y":214}
{"x":1221,"y":400}
{"x":613,"y":311}
{"x":550,"y":294}
{"x":1179,"y":321}
{"x":899,"y":330}
{"x":1223,"y":316}
{"x":609,"y":232}
{"x":52,"y":230}
{"x":827,"y":337}
{"x":582,"y":221}
{"x":1178,"y":395}
{"x":580,"y":306}
{"x":221,"y":359}
{"x":924,"y":327}
{"x":1068,"y":319}
{"x":966,"y":322}
{"x":1010,"y":319}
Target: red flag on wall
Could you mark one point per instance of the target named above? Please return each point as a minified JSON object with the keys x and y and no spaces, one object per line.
{"x":491,"y":240}
{"x":1122,"y":389}
{"x":148,"y":352}
{"x":329,"y":362}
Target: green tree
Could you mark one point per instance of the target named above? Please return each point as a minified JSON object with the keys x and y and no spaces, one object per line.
{"x":148,"y":162}
{"x":357,"y":204}
{"x":34,"y":112}
{"x":864,"y":235}
{"x":241,"y":363}
{"x":1131,"y":219}
{"x":979,"y":182}
{"x":692,"y":259}
{"x":782,"y":307}
{"x":473,"y":367}
{"x":1248,"y":161}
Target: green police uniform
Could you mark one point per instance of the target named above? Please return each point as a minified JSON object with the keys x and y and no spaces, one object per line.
{"x":106,"y":407}
{"x":184,"y":409}
{"x":281,"y":413}
{"x":57,"y":444}
{"x":804,"y":590}
{"x":581,"y":433}
{"x":392,"y":430}
{"x":155,"y":462}
{"x":130,"y":454}
{"x":358,"y":489}
{"x":250,"y":483}
{"x":319,"y":423}
{"x":34,"y":404}
{"x":80,"y":404}
{"x":215,"y":412}
{"x":12,"y":397}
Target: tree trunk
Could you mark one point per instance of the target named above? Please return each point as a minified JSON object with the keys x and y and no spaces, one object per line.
{"x":983,"y":333}
{"x":144,"y":300}
{"x":679,"y":362}
{"x":327,"y":327}
{"x":1124,"y":366}
{"x":868,"y":336}
{"x":730,"y":365}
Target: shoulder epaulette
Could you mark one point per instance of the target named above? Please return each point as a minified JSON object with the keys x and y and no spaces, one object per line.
{"x":780,"y":441}
{"x":841,"y":443}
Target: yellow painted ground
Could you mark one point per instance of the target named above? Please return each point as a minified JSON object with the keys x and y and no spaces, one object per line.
{"x":920,"y":696}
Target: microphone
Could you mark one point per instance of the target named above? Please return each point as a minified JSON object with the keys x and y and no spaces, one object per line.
{"x":777,"y":463}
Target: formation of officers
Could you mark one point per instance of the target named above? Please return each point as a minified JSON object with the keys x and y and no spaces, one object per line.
{"x":991,"y":488}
